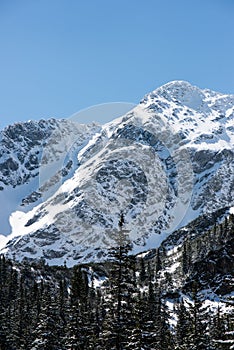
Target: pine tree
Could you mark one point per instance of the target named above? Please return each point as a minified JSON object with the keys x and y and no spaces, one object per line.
{"x":118,"y":302}
{"x":48,"y":331}
{"x":186,"y":257}
{"x":158,"y":263}
{"x":198,"y":337}
{"x":222,"y":333}
{"x":183,"y":327}
{"x":77,"y":327}
{"x":135,"y":338}
{"x":142,"y":271}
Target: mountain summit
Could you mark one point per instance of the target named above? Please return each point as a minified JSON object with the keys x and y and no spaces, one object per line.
{"x":161,"y":165}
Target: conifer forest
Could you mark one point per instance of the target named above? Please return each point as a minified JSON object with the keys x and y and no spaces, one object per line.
{"x":127,"y":302}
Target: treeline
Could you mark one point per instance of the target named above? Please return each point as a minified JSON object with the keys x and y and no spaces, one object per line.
{"x":56,"y":308}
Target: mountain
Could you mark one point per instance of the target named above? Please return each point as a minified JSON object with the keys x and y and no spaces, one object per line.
{"x":161,"y":165}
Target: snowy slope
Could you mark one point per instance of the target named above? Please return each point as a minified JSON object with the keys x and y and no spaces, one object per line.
{"x":163,"y":164}
{"x":22,"y":148}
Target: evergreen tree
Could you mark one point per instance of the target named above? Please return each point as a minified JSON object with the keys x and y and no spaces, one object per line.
{"x":118,"y":322}
{"x":158,"y":263}
{"x":47,"y":332}
{"x":142,"y":271}
{"x":186,"y":257}
{"x":222,"y":333}
{"x":77,"y":328}
{"x":183,"y":327}
{"x":198,"y":337}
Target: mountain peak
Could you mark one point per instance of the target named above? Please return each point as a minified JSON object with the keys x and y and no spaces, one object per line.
{"x":181,"y":84}
{"x":183,"y":93}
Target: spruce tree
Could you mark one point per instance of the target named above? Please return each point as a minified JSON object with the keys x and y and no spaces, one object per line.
{"x":118,"y":322}
{"x":183,"y":327}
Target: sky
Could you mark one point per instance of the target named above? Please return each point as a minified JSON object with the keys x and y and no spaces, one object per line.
{"x":60,"y":56}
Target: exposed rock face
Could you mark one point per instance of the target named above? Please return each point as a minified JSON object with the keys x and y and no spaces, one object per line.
{"x":163,"y":164}
{"x":21,"y":146}
{"x":22,"y":151}
{"x":214,"y":176}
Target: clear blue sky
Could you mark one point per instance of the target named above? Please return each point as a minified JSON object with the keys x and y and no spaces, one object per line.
{"x":59,"y":56}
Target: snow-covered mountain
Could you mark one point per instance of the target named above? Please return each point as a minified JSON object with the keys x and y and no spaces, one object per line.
{"x":163,"y":164}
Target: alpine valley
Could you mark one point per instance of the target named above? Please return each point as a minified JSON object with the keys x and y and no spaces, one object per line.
{"x":121,"y":236}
